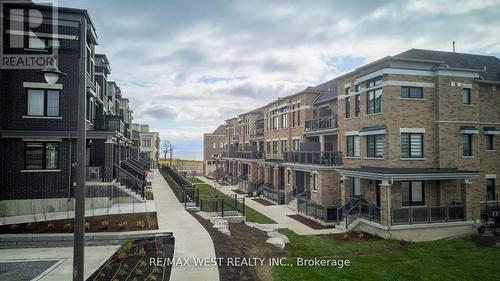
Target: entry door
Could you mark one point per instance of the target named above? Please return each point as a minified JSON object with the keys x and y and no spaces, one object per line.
{"x":299,"y":181}
{"x":377,"y":190}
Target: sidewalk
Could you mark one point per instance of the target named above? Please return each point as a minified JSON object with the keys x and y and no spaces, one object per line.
{"x":278,"y":213}
{"x":191,"y":238}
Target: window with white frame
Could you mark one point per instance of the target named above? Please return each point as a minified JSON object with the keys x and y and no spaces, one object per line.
{"x":43,"y":103}
{"x":296,"y":144}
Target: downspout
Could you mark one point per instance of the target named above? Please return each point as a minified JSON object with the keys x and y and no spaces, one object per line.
{"x":69,"y":167}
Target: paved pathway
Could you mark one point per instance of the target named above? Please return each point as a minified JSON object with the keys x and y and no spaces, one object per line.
{"x":278,"y":213}
{"x":63,"y":270}
{"x":191,"y":238}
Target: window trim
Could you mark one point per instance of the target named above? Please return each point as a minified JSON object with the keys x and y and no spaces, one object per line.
{"x":469,"y":137}
{"x":348,"y":142}
{"x":45,"y":103}
{"x":374,"y":155}
{"x":494,"y":189}
{"x":409,"y":156}
{"x":44,"y":155}
{"x":489,"y":139}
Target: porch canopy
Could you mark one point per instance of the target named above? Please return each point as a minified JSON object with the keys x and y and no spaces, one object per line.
{"x":406,"y":174}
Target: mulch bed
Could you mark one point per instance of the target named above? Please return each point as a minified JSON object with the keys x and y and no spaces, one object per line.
{"x":486,"y":241}
{"x":263,"y":202}
{"x":241,"y":192}
{"x":312,"y":224}
{"x":132,"y":261}
{"x":355,"y":237}
{"x":115,"y":223}
{"x":244,"y":242}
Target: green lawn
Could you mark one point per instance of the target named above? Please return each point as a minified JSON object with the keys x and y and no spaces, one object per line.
{"x":453,"y":259}
{"x":208,"y":190}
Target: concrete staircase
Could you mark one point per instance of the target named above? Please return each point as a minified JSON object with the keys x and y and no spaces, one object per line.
{"x":292,"y":205}
{"x":129,"y":192}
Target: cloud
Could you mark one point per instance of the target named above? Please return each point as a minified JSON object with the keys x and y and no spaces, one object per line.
{"x":189,"y":65}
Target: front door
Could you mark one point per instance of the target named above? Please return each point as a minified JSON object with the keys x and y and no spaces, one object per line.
{"x":377,"y":190}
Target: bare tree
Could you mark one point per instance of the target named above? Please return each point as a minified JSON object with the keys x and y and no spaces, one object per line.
{"x":165,"y":148}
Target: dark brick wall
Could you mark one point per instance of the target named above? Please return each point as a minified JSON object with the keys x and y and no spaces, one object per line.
{"x":34,"y":185}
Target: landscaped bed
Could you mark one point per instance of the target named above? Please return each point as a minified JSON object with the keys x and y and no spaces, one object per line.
{"x":312,"y":224}
{"x":107,"y":223}
{"x":244,"y":242}
{"x":132,"y":261}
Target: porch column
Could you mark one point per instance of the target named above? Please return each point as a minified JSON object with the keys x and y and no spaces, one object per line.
{"x":385,"y":203}
{"x":108,"y":161}
{"x":470,"y":209}
{"x":322,"y":143}
{"x":253,"y":174}
{"x":343,"y":190}
{"x":276,"y":178}
{"x":267,"y":174}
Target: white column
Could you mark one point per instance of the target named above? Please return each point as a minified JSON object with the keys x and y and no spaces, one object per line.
{"x":322,"y":142}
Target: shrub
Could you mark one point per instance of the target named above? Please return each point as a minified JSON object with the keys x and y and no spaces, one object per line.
{"x":141,"y":224}
{"x":361,"y":234}
{"x":50,"y":226}
{"x":29,"y":226}
{"x":123,"y":224}
{"x":104,"y":224}
{"x":13,"y":226}
{"x":67,"y":227}
{"x":142,"y":252}
{"x":346,"y":236}
{"x":87,"y":225}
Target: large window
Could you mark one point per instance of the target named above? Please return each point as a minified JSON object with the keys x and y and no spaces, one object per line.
{"x":275,"y":147}
{"x":412,"y":92}
{"x":467,"y":145}
{"x":375,"y":146}
{"x":43,"y":103}
{"x":466,"y":98}
{"x":412,"y":193}
{"x":374,"y":101}
{"x":412,"y":145}
{"x":284,"y":121}
{"x":41,"y":155}
{"x":284,"y":146}
{"x":490,"y":189}
{"x":347,"y":107}
{"x":489,"y":142}
{"x":353,"y":146}
{"x":146,"y":143}
{"x":357,"y":105}
{"x":296,"y":144}
{"x":268,"y":147}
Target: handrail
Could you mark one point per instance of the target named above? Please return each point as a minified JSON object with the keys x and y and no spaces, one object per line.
{"x":132,"y":166}
{"x":139,"y":184}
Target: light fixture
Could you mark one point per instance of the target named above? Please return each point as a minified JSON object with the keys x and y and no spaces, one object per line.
{"x":52,"y":73}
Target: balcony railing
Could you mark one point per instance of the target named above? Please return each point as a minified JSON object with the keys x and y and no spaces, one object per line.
{"x":323,"y":213}
{"x":323,"y":158}
{"x":258,"y":133}
{"x":249,"y":154}
{"x":110,"y":123}
{"x":428,"y":214}
{"x":324,"y":123}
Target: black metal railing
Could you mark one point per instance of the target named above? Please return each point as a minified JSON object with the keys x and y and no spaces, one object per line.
{"x":249,"y":154}
{"x":223,"y":205}
{"x":428,"y":214}
{"x":277,"y":196}
{"x":324,"y":213}
{"x":129,"y":180}
{"x":324,"y":123}
{"x":323,"y":158}
{"x":129,"y":167}
{"x":184,"y":190}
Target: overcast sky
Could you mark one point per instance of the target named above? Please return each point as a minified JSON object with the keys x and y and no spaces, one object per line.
{"x":189,"y":65}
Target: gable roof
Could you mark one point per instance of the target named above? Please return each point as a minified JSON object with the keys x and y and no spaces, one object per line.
{"x":329,"y":91}
{"x":490,"y":65}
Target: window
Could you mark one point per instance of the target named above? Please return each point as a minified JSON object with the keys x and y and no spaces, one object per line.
{"x":284,"y":146}
{"x":374,"y":82}
{"x":41,"y":155}
{"x":412,"y":145}
{"x":268,"y":144}
{"x":466,"y":99}
{"x":42,"y":43}
{"x":357,"y":104}
{"x":412,"y":92}
{"x":146,"y":143}
{"x":296,"y":144}
{"x":375,"y":146}
{"x":298,"y":117}
{"x":412,"y":193}
{"x":289,"y":177}
{"x":315,"y":181}
{"x":467,"y":148}
{"x":276,"y":120}
{"x":489,"y":142}
{"x":43,"y":103}
{"x":374,"y":101}
{"x":284,"y":121}
{"x":275,"y":147}
{"x":347,"y":107}
{"x":353,"y":146}
{"x":356,"y":187}
{"x":356,"y":88}
{"x":490,"y":189}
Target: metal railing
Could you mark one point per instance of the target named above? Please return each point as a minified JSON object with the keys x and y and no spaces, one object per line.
{"x":184,"y":190}
{"x":323,"y":213}
{"x":324,"y":123}
{"x":427,"y":214}
{"x":250,"y":154}
{"x":323,"y":158}
{"x":223,"y":205}
{"x":274,"y":195}
{"x":129,"y":180}
{"x":291,"y":194}
{"x":140,"y":174}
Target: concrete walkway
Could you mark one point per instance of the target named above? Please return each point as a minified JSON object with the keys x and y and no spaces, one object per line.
{"x":63,"y":270}
{"x":191,"y":239}
{"x":279,"y":213}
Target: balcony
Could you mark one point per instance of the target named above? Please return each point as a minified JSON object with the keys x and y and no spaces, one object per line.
{"x":428,"y":214}
{"x":235,"y":138}
{"x":258,"y":133}
{"x":249,"y":154}
{"x":323,"y":123}
{"x":322,"y":158}
{"x":110,"y":123}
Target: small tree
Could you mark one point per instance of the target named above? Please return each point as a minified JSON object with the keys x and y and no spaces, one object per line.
{"x":165,"y":148}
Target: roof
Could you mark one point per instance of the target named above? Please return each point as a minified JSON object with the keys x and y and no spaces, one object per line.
{"x":329,"y":91}
{"x":221,"y":130}
{"x":491,"y":64}
{"x":406,"y":173}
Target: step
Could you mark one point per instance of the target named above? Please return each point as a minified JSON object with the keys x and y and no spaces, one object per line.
{"x":129,"y":192}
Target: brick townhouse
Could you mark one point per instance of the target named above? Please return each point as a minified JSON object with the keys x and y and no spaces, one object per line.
{"x":213,"y":147}
{"x":38,"y":120}
{"x":406,"y":146}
